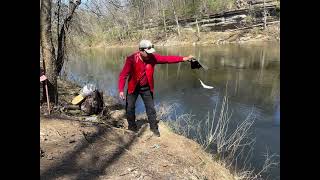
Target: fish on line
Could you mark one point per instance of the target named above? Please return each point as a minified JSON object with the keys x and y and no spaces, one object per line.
{"x":205,"y":86}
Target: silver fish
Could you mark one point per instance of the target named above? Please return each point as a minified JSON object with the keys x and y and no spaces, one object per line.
{"x":205,"y":86}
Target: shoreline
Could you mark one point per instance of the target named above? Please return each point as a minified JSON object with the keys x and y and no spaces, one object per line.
{"x":69,"y":128}
{"x":210,"y":38}
{"x":183,"y":45}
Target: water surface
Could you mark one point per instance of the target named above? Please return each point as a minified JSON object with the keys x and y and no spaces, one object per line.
{"x":249,"y":74}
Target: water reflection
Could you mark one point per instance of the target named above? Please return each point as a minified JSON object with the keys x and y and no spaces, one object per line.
{"x":277,"y":113}
{"x":252,"y":73}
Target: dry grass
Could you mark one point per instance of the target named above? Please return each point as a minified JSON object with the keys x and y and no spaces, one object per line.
{"x":232,"y":147}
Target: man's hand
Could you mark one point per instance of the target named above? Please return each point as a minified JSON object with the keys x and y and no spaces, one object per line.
{"x":187,"y":58}
{"x":121,"y":95}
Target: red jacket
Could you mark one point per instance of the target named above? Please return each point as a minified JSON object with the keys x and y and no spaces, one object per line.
{"x":133,"y":66}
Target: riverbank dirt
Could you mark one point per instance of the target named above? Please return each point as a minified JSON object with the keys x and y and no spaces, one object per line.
{"x":73,"y":146}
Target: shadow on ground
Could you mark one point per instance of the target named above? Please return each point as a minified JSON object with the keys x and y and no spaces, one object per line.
{"x":69,"y":164}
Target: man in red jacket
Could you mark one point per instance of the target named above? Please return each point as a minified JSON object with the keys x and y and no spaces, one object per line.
{"x":139,"y":66}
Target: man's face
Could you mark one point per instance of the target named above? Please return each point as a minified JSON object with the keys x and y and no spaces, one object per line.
{"x":144,"y":54}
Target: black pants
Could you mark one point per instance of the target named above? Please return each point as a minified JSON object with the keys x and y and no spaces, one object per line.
{"x":147,"y":97}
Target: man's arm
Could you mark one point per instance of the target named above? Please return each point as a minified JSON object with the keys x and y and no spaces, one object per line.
{"x":170,"y":59}
{"x":124,"y":74}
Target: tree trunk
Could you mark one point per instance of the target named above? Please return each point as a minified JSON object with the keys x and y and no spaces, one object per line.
{"x":48,"y":53}
{"x":176,"y":17}
{"x":164,"y":22}
{"x":198,"y":29}
{"x":62,"y":35}
{"x":264,"y":15}
{"x":58,"y":18}
{"x":143,"y":19}
{"x":157,"y":7}
{"x":128,"y":35}
{"x":163,"y":17}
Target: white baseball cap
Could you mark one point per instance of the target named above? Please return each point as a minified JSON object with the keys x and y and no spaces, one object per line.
{"x":147,"y":46}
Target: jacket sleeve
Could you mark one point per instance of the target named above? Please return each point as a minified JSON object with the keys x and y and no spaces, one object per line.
{"x":127,"y":68}
{"x":167,"y":59}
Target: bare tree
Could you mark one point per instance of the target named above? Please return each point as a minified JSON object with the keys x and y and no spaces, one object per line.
{"x":73,"y":4}
{"x":52,"y":65}
{"x":164,"y":18}
{"x":47,"y":50}
{"x":176,"y":17}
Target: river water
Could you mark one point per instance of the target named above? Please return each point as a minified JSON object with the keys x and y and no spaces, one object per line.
{"x":248,"y":74}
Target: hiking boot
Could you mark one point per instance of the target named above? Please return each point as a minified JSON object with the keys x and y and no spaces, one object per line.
{"x":155,"y":131}
{"x":133,"y":127}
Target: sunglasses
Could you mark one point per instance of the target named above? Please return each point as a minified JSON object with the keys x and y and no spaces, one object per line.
{"x":152,"y":46}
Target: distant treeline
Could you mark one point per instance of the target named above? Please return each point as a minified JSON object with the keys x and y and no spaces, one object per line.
{"x":98,"y":21}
